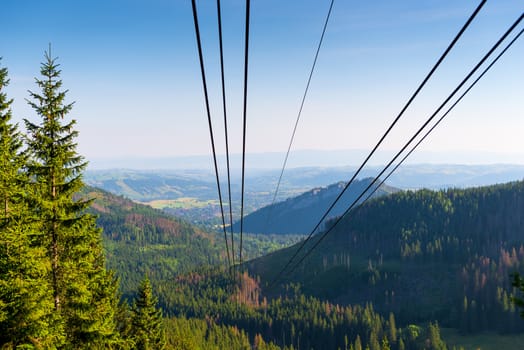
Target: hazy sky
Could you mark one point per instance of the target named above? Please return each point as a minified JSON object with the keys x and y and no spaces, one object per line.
{"x":132,"y":68}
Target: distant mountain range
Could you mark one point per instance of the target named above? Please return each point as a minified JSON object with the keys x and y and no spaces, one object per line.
{"x":300,"y":214}
{"x":146,"y":185}
{"x":303,"y":159}
{"x":424,"y":255}
{"x":192,"y":194}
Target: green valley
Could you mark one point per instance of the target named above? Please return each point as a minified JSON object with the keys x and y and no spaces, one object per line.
{"x":160,"y":245}
{"x":418,"y":270}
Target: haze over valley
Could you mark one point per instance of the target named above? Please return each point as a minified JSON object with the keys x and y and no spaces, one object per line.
{"x":267,"y":175}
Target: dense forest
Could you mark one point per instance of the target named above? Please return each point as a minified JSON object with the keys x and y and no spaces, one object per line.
{"x":55,"y":289}
{"x":394,"y":271}
{"x":424,"y":255}
{"x":292,"y":320}
{"x":140,"y":240}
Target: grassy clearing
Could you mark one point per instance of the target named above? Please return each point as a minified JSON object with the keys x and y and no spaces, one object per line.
{"x":180,"y":203}
{"x":484,"y":341}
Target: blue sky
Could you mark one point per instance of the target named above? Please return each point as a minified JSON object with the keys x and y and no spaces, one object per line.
{"x":132,"y":68}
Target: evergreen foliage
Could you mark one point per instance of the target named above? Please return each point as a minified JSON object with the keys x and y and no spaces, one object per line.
{"x":141,"y":240}
{"x":147,"y":327}
{"x":56,"y":293}
{"x":423,"y":255}
{"x":25,"y":301}
{"x":435,"y":342}
{"x":84,"y":292}
{"x":13,"y":160}
{"x":518,"y":300}
{"x":292,"y":320}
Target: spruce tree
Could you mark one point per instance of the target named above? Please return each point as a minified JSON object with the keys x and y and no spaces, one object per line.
{"x":435,"y":342}
{"x":392,"y":330}
{"x":84,"y":293}
{"x":124,"y":325}
{"x":147,"y":324}
{"x":25,"y":305}
{"x":12,"y":157}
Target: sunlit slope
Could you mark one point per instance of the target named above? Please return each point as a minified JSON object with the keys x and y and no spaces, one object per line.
{"x":424,"y":255}
{"x":139,"y":240}
{"x":300,"y":214}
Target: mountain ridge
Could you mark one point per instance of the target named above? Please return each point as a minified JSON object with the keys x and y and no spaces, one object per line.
{"x":300,"y":214}
{"x":424,"y":255}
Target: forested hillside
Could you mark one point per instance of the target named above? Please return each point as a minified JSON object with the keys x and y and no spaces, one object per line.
{"x":55,"y":289}
{"x":139,"y":239}
{"x":188,"y":194}
{"x":292,"y":320}
{"x":300,"y":214}
{"x":192,"y":195}
{"x":423,"y":255}
{"x":84,"y":269}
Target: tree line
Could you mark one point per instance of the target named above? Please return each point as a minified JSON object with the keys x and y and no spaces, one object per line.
{"x":55,"y":290}
{"x":292,"y":320}
{"x":423,"y":255}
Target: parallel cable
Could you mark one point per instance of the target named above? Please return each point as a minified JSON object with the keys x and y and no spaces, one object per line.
{"x":415,"y":94}
{"x":441,"y":118}
{"x":410,"y":141}
{"x":203,"y":72}
{"x":299,"y":112}
{"x":219,"y":13}
{"x":246,"y":56}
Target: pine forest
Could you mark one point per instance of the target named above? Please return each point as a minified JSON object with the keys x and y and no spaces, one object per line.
{"x":151,"y":259}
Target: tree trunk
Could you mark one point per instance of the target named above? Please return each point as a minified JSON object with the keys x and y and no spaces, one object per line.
{"x":54,"y":249}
